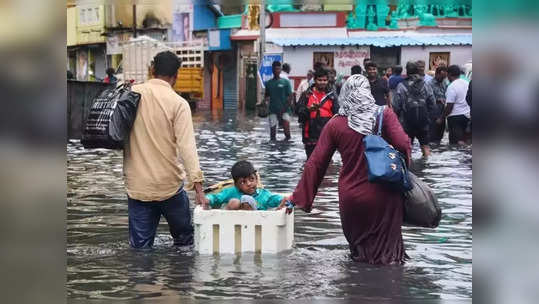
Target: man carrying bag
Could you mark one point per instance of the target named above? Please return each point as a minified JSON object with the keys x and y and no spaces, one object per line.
{"x":161,"y":135}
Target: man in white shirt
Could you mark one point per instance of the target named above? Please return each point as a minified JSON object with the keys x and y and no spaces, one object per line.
{"x":285,"y":73}
{"x":457,"y":110}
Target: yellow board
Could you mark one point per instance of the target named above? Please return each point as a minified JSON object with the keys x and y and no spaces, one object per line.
{"x":191,"y":81}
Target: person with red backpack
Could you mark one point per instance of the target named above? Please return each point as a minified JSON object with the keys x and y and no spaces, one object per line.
{"x":414,"y":103}
{"x":315,"y":108}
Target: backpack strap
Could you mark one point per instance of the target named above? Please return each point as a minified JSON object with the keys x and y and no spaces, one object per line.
{"x":326,"y":98}
{"x":380,"y":115}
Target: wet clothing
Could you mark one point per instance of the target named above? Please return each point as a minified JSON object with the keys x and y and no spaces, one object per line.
{"x":422,"y":135}
{"x":379,"y":90}
{"x":459,"y":118}
{"x":371,"y":214}
{"x":402,"y":105}
{"x":144,"y":218}
{"x":312,"y":122}
{"x":275,"y":119}
{"x":264,"y":198}
{"x":278,"y":91}
{"x":457,"y":126}
{"x":162,"y":134}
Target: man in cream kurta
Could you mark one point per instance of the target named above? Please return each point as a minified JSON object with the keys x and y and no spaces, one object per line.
{"x":162,"y":139}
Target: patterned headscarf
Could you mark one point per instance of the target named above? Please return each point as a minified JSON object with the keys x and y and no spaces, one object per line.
{"x":356,"y":103}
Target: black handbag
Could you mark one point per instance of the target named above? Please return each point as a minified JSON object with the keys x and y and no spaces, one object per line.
{"x":262,"y":109}
{"x":111,"y":118}
{"x":421,"y":207}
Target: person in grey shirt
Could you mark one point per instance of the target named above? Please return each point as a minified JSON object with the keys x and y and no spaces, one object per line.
{"x":439,"y":86}
{"x":413,"y":103}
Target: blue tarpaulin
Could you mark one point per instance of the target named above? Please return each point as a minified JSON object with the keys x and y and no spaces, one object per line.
{"x":265,"y":70}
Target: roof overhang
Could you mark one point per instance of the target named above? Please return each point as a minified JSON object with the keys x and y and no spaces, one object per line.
{"x":378,"y":40}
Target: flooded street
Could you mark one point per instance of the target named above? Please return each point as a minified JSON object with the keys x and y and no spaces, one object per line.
{"x":100,"y":264}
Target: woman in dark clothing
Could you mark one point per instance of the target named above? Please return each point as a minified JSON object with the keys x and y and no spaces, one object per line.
{"x":371,"y":214}
{"x":315,"y":108}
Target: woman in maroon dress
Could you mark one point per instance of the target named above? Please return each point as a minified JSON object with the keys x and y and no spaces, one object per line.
{"x":371,"y":214}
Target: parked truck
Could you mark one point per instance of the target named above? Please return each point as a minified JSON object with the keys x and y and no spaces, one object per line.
{"x":139,"y":52}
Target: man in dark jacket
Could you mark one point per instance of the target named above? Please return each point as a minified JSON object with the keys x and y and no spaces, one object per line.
{"x":414,"y":103}
{"x":315,"y":108}
{"x":379,"y":88}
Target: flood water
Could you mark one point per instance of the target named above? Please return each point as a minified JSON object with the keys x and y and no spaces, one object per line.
{"x":100,"y":264}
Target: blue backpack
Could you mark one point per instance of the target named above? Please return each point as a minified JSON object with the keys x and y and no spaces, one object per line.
{"x":385,"y":164}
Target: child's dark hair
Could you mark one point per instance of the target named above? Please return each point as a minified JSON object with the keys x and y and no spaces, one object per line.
{"x":242,"y":169}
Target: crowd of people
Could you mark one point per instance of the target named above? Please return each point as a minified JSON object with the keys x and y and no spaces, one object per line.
{"x":333,"y":117}
{"x":424,"y":104}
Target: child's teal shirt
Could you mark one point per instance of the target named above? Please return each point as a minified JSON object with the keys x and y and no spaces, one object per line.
{"x":263,"y":197}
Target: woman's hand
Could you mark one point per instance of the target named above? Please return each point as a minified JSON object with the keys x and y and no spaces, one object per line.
{"x":286,"y":203}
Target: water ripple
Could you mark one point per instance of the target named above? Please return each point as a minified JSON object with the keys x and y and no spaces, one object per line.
{"x":102,"y":266}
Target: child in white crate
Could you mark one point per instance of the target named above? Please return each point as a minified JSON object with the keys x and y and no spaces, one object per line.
{"x":245,"y":194}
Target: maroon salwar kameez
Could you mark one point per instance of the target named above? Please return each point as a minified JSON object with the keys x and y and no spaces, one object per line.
{"x":371,"y":214}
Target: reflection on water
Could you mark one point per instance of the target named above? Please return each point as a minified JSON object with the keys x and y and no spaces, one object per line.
{"x":102,"y":266}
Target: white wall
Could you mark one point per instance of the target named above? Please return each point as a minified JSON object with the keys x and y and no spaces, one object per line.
{"x":300,"y":58}
{"x":458,"y":54}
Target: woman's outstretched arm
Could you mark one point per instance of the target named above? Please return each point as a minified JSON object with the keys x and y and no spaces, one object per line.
{"x":315,"y":168}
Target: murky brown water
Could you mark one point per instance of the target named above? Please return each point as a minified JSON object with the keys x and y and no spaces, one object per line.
{"x":102,"y":266}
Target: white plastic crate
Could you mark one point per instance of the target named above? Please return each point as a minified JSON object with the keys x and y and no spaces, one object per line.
{"x":235,"y":231}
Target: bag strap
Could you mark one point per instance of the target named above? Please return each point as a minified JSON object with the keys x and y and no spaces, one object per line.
{"x":326,"y":98}
{"x":380,"y":115}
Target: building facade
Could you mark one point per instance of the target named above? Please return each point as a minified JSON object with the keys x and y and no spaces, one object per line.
{"x":340,"y":36}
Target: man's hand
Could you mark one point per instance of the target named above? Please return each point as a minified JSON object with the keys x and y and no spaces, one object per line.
{"x":200,"y":198}
{"x":314,"y":107}
{"x":263,"y":100}
{"x":439,"y":121}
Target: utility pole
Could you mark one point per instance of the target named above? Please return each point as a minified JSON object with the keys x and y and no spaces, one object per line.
{"x":262,"y":46}
{"x":262,"y":29}
{"x":134,"y":21}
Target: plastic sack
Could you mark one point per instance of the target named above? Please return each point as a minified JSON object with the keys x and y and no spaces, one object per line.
{"x":420,"y":205}
{"x":111,"y":118}
{"x":262,"y":110}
